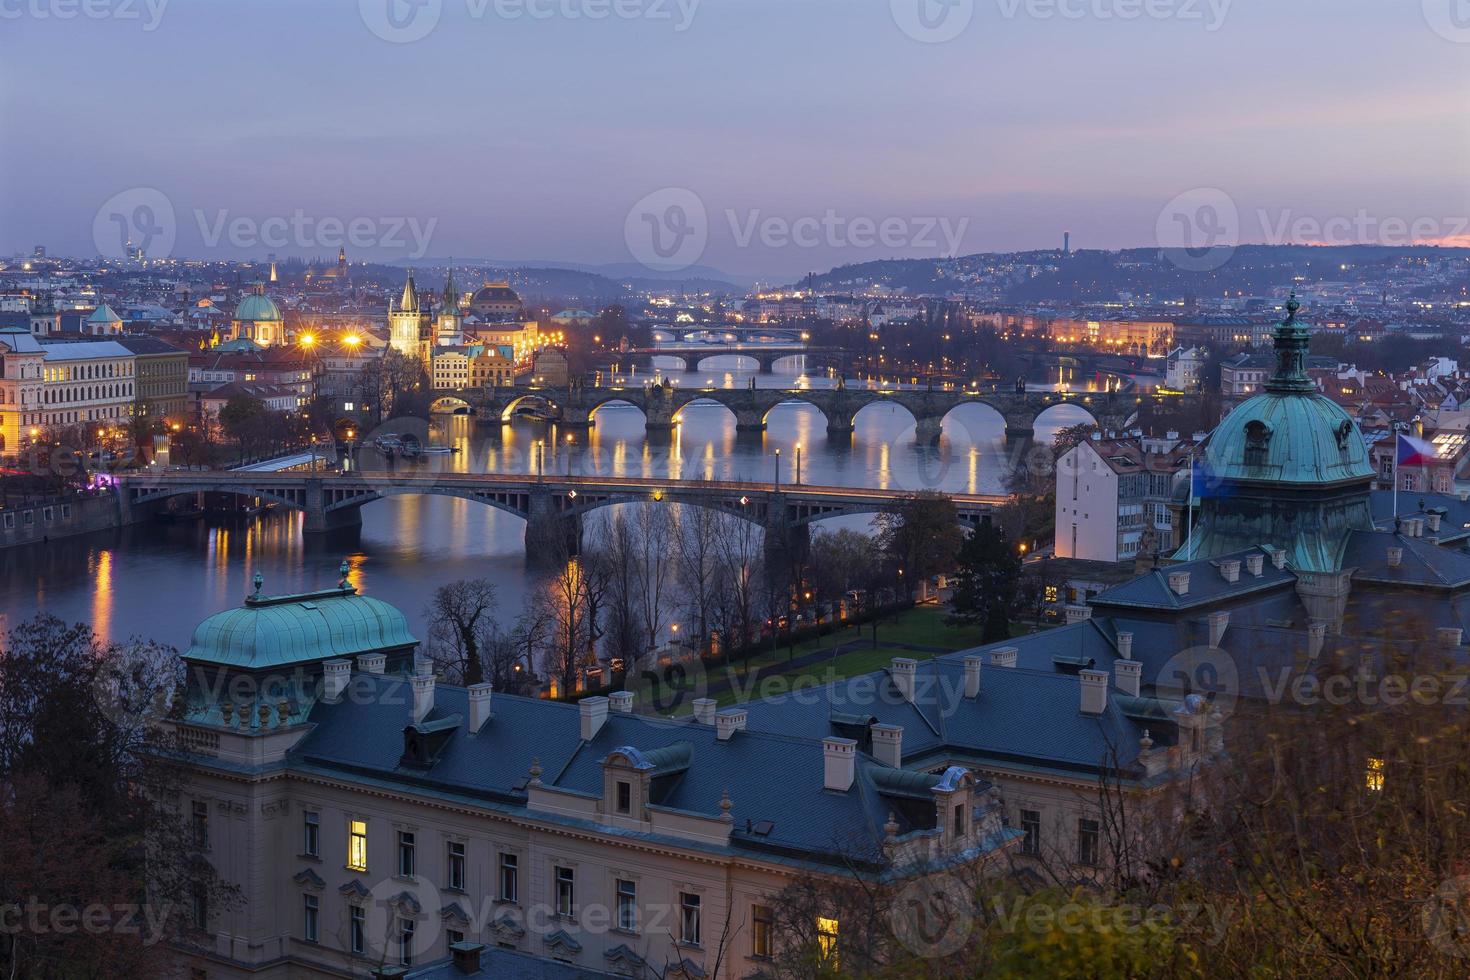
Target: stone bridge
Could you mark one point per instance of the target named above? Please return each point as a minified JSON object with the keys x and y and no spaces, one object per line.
{"x":576,"y":406}
{"x":552,"y":507}
{"x":765,"y":355}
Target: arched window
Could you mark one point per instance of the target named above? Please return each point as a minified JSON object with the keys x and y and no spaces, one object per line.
{"x":1257,"y":441}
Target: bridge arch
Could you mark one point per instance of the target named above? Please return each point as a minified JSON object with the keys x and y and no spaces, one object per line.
{"x":1061,"y":414}
{"x":154,"y":495}
{"x":703,"y":399}
{"x":789,"y":400}
{"x":450,"y":404}
{"x":508,"y":411}
{"x":511,"y":503}
{"x":615,"y":398}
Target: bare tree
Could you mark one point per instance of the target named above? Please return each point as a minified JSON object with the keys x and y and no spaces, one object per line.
{"x":697,"y":538}
{"x":461,"y":625}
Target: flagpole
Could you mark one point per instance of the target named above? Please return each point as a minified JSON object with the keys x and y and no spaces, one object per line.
{"x":1189,"y":512}
{"x":1395,"y":474}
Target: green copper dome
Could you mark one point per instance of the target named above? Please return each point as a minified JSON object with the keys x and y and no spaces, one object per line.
{"x":271,"y":632}
{"x":1291,"y":433}
{"x":103,"y":314}
{"x":257,"y":306}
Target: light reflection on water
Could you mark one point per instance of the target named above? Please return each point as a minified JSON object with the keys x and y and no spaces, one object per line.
{"x":160,"y":580}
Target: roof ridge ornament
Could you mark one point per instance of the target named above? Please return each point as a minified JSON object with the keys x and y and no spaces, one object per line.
{"x":1293,"y":338}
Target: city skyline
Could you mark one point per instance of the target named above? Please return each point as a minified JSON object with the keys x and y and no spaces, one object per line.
{"x":1027,"y":123}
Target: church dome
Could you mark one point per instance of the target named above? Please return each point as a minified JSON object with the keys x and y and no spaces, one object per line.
{"x":104,"y":314}
{"x":495,"y":298}
{"x":258,"y":307}
{"x":1291,"y":433}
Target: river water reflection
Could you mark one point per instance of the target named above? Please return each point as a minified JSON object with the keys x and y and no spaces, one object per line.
{"x":159,"y":580}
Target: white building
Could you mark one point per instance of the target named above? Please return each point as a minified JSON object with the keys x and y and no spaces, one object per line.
{"x":1113,"y":496}
{"x":1183,"y":368}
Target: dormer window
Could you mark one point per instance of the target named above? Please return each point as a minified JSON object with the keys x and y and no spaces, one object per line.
{"x":625,"y":796}
{"x":1257,"y":441}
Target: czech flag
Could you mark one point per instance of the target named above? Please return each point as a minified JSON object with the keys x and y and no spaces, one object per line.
{"x":1415,"y":452}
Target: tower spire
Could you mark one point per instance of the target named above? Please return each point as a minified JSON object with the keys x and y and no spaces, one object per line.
{"x":1293,"y":338}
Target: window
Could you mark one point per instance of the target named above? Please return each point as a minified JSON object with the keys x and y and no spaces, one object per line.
{"x":310,"y":906}
{"x":827,"y":937}
{"x":357,"y":845}
{"x":566,"y":894}
{"x":452,"y":936}
{"x":689,"y":919}
{"x":508,"y":868}
{"x":1375,"y":775}
{"x":357,"y":921}
{"x":200,"y":906}
{"x":763,"y":924}
{"x":455,"y":870}
{"x":311,"y":834}
{"x":405,"y":941}
{"x":625,"y":797}
{"x":1031,"y":827}
{"x":405,"y":853}
{"x":959,"y":820}
{"x":627,"y":905}
{"x":201,"y":825}
{"x":1086,"y":841}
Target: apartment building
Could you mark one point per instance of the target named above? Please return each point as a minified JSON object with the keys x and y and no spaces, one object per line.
{"x":1113,"y":496}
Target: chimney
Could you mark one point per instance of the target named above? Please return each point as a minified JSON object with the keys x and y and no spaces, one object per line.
{"x":1094,"y":691}
{"x":423,"y":696}
{"x":839,"y":763}
{"x":1433,"y":518}
{"x":973,"y":664}
{"x":1125,"y":644}
{"x":592,"y":713}
{"x":1179,"y":583}
{"x":1316,"y":636}
{"x":728,"y":722}
{"x":467,"y":957}
{"x":1395,"y":557}
{"x":888,"y":745}
{"x":1003,"y":657}
{"x":1219,"y":619}
{"x":1278,"y":557}
{"x":1128,"y":676}
{"x":1464,"y":496}
{"x":704,"y":710}
{"x":1253,"y":563}
{"x":903,"y":671}
{"x":1077,"y":613}
{"x":479,"y":705}
{"x":335,"y":676}
{"x":372,"y":663}
{"x":1230,"y":569}
{"x":1449,"y":636}
{"x":621,"y":701}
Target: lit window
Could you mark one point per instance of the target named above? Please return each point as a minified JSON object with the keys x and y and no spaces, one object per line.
{"x":764,"y":923}
{"x":357,"y":845}
{"x":1050,"y":593}
{"x":1375,"y":775}
{"x":827,"y":937}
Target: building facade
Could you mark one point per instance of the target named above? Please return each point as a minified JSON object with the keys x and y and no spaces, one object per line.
{"x":161,"y":378}
{"x":1113,"y":496}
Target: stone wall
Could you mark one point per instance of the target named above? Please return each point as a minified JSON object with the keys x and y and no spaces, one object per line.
{"x":59,"y":517}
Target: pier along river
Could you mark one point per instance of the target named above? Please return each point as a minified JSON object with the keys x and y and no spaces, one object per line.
{"x":158,"y":581}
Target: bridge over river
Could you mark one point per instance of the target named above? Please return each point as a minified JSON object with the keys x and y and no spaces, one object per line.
{"x":552,"y":506}
{"x":576,"y":406}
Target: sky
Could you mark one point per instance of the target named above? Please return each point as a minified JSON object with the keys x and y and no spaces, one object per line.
{"x":765,"y":138}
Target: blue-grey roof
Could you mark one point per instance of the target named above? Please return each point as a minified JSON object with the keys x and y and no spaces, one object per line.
{"x":1206,"y":584}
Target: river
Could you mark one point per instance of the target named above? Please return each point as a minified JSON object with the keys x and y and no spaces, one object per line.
{"x":158,"y":581}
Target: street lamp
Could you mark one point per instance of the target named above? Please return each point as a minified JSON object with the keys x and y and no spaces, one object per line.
{"x":798,"y":464}
{"x":570,"y":441}
{"x":777,"y":484}
{"x":540,"y":458}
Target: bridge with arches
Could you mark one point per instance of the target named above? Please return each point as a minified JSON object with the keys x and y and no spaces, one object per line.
{"x":552,"y":507}
{"x":765,"y":355}
{"x":576,"y":406}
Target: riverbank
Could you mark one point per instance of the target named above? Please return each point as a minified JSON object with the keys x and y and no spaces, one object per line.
{"x":51,"y":518}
